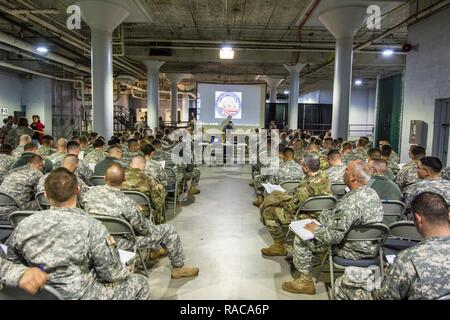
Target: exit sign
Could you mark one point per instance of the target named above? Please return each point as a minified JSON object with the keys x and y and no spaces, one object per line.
{"x":4,"y":111}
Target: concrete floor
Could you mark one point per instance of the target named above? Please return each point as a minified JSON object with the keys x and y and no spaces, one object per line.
{"x":222,"y":235}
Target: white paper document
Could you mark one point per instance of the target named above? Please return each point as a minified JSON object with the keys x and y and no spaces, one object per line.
{"x":163,"y":164}
{"x":272,"y":187}
{"x":4,"y":248}
{"x":126,"y":256}
{"x":298,"y":227}
{"x":390,"y":258}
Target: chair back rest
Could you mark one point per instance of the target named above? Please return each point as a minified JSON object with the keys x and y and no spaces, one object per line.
{"x":138,"y":197}
{"x":172,"y":179}
{"x":368,"y":232}
{"x":17,"y":216}
{"x":446,"y":297}
{"x":15,"y":293}
{"x":318,"y":204}
{"x":290,"y":185}
{"x":338,"y":189}
{"x":42,"y":201}
{"x":405,"y":230}
{"x":393,"y":207}
{"x":98,"y":181}
{"x":116,"y":226}
{"x":6,"y":200}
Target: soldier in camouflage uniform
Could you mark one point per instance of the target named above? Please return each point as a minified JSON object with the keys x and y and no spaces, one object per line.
{"x":6,"y":130}
{"x":418,"y":273}
{"x":83,"y":170}
{"x":6,"y":160}
{"x":358,"y":207}
{"x":337,"y":168}
{"x":18,"y":275}
{"x":289,"y":169}
{"x":75,"y":249}
{"x":109,"y":200}
{"x":347,"y":152}
{"x":133,"y":150}
{"x":96,"y":155}
{"x":360,"y":153}
{"x":445,"y":173}
{"x":386,"y":152}
{"x":46,"y":148}
{"x":137,"y":180}
{"x":30,"y":150}
{"x":299,"y":150}
{"x":70,"y":162}
{"x":61,"y":151}
{"x":408,"y":174}
{"x":24,"y":139}
{"x":152,"y":167}
{"x":21,"y":184}
{"x":275,"y":214}
{"x":161,"y":155}
{"x":429,"y":172}
{"x":314,"y":149}
{"x":394,"y":157}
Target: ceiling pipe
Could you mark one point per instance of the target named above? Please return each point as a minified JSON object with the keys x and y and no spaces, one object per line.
{"x":308,"y":14}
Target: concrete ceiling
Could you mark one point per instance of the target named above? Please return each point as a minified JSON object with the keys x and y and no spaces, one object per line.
{"x":187,"y":34}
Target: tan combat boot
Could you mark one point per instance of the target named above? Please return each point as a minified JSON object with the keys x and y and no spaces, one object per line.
{"x":258,"y":202}
{"x":303,"y":284}
{"x":193,"y":191}
{"x":277,"y":249}
{"x":251,"y":184}
{"x":158,"y":253}
{"x":184,"y":272}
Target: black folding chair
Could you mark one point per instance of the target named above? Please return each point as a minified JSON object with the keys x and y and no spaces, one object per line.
{"x":338,"y":190}
{"x":17,"y":216}
{"x":402,"y":235}
{"x":141,"y":199}
{"x":172,"y":188}
{"x":98,"y":181}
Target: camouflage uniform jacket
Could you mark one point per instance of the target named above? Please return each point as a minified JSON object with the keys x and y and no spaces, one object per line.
{"x":311,"y":186}
{"x":299,"y":155}
{"x":46,"y":151}
{"x":57,"y":157}
{"x":336,"y":173}
{"x":418,"y":273}
{"x":21,"y":183}
{"x":356,"y":154}
{"x":395,"y":168}
{"x":6,"y":162}
{"x":84,"y":172}
{"x":394,"y":157}
{"x":26,"y":156}
{"x":94,"y":156}
{"x":407,"y":175}
{"x":74,"y":249}
{"x":17,"y":152}
{"x":439,"y":186}
{"x":127,"y":156}
{"x":155,"y":170}
{"x":13,"y":137}
{"x":109,"y":201}
{"x":289,"y":170}
{"x":10,"y":273}
{"x":137,"y":180}
{"x":358,"y":207}
{"x":445,"y":173}
{"x":4,"y":132}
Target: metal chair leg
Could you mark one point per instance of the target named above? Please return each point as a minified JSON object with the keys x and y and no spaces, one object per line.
{"x":143,"y":262}
{"x":322,"y":264}
{"x":332,"y":276}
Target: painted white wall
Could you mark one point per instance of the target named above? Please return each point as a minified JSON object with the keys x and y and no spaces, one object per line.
{"x":10,"y":93}
{"x":427,"y":75}
{"x":36,"y":95}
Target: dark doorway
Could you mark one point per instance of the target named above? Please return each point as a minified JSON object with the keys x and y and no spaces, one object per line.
{"x":441,"y":129}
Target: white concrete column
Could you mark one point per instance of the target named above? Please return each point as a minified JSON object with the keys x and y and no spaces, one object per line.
{"x":153,"y":92}
{"x":342,"y":22}
{"x":185,"y":108}
{"x":174,"y":79}
{"x":102,"y":18}
{"x":273,"y":83}
{"x":294,"y":88}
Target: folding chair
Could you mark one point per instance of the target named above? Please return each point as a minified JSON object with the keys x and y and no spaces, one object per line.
{"x":402,"y":235}
{"x":369,"y":232}
{"x":392,"y":211}
{"x":141,"y":199}
{"x":315,"y":204}
{"x":17,"y":216}
{"x":120,"y":227}
{"x":98,"y":180}
{"x":15,"y":293}
{"x":338,"y":190}
{"x":7,"y":201}
{"x":446,"y":297}
{"x":172,"y":187}
{"x":42,"y":201}
{"x":5,"y":230}
{"x":290,"y":185}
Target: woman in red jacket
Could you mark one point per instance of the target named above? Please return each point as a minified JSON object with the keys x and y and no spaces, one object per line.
{"x":38,"y":128}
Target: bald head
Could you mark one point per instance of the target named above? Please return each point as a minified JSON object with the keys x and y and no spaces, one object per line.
{"x":138,"y":162}
{"x":115,"y":175}
{"x":378,"y":167}
{"x":356,"y":174}
{"x":24,"y":139}
{"x":70,"y":162}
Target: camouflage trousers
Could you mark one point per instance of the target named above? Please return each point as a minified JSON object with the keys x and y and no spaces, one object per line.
{"x":135,"y":287}
{"x":274,"y":218}
{"x":164,"y":235}
{"x":357,"y":284}
{"x":194,"y":175}
{"x":303,"y":252}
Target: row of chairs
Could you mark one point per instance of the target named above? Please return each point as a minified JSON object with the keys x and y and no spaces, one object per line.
{"x":115,"y":227}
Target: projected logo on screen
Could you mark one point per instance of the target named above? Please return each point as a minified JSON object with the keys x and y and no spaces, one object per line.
{"x":228,"y":104}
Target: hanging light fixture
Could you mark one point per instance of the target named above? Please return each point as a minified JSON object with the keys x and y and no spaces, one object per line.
{"x":227,"y":53}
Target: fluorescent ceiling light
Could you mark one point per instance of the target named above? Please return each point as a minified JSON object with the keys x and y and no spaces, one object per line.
{"x":388,"y":52}
{"x":42,"y":49}
{"x":286,"y":92}
{"x":358,"y":82}
{"x":226,"y":53}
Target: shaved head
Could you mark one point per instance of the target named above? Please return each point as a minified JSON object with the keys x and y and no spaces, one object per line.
{"x":115,"y":175}
{"x":70,"y":162}
{"x":62,"y":143}
{"x":138,"y":162}
{"x":24,"y":139}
